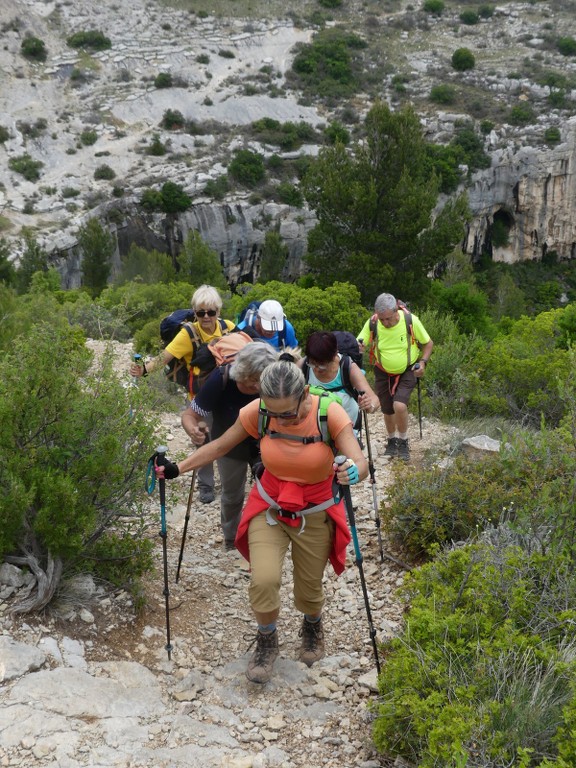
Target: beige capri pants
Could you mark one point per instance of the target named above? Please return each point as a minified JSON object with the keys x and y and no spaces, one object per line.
{"x":310,"y":549}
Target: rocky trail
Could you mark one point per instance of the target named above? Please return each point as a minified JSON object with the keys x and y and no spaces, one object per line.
{"x":89,"y":682}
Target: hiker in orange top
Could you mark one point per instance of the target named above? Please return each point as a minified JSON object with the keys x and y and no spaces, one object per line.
{"x":206,"y":303}
{"x":400,"y":349}
{"x":291,"y":505}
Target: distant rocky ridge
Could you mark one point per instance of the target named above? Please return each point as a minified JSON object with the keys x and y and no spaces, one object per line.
{"x":529,"y":187}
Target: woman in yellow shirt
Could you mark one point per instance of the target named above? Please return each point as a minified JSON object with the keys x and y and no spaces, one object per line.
{"x":207,"y":305}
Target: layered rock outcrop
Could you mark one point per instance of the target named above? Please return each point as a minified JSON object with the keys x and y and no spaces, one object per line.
{"x":531,"y":193}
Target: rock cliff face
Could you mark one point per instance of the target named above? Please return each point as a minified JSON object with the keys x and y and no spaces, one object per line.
{"x":531,"y":194}
{"x":235,"y":231}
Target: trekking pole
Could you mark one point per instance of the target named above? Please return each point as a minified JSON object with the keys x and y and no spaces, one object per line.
{"x":134,"y":383}
{"x":372,"y":471}
{"x":204,"y":426}
{"x":345,"y":490}
{"x":150,"y":485}
{"x":377,"y":520}
{"x":186,"y":519}
{"x":415,"y":367}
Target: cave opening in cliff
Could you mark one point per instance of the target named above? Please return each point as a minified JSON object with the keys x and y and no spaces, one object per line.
{"x":502,"y":223}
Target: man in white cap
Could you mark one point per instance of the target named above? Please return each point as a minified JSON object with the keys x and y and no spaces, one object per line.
{"x":267,"y":322}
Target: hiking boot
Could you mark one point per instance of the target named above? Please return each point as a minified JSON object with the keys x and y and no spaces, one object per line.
{"x":312,"y":648}
{"x":403,"y":449}
{"x":206,"y":495}
{"x":229,"y":545}
{"x":392,"y":447}
{"x":262,"y":660}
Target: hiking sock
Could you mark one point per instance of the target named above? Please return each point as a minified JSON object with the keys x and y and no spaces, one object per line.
{"x":267,"y":629}
{"x":311,"y":620}
{"x":403,"y":435}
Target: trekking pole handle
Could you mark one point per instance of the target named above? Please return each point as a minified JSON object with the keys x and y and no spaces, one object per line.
{"x":161,"y":451}
{"x":416,"y":367}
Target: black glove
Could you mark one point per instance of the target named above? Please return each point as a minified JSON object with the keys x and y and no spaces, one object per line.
{"x":170,"y":469}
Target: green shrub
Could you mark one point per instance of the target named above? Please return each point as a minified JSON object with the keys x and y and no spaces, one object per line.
{"x":163,"y":80}
{"x":486,"y":11}
{"x":463,"y":59}
{"x":435,"y":7}
{"x":330,"y":3}
{"x":486,"y":126}
{"x":156,"y":148}
{"x":104,"y":172}
{"x":336,"y":132}
{"x":33,"y":48}
{"x":172,"y":120}
{"x":89,"y":40}
{"x":217,"y":188}
{"x":443,"y":94}
{"x":567,"y":46}
{"x":328,"y":67}
{"x":247,"y":167}
{"x":226,"y":53}
{"x":74,"y":485}
{"x":483,"y":673}
{"x":469,"y":17}
{"x":26,"y":166}
{"x":88,"y":137}
{"x":291,"y":195}
{"x":203,"y":58}
{"x":4,"y":134}
{"x":521,"y":114}
{"x":171,"y":198}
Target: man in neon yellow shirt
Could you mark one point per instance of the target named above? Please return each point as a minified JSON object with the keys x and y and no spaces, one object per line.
{"x":206,"y":303}
{"x":400,"y":349}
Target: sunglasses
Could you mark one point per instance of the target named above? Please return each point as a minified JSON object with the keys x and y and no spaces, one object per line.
{"x":287,"y":414}
{"x":319,"y":366}
{"x":204,"y":312}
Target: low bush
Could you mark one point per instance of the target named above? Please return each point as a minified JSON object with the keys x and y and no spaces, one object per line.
{"x":89,"y":40}
{"x":567,"y":46}
{"x":521,"y":114}
{"x":463,"y":59}
{"x":247,"y":167}
{"x":104,"y":173}
{"x":484,"y":673}
{"x":469,"y":17}
{"x":443,"y":94}
{"x":88,"y":137}
{"x":435,"y":7}
{"x":26,"y":166}
{"x":34,"y":49}
{"x":163,"y":80}
{"x":71,"y":471}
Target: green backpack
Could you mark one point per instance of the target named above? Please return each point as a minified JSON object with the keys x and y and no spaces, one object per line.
{"x":322,"y":419}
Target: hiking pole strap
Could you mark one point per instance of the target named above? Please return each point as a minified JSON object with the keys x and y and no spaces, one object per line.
{"x":339,"y":460}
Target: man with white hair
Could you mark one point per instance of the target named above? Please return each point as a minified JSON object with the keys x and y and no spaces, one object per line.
{"x":267,"y":322}
{"x":400,"y":350}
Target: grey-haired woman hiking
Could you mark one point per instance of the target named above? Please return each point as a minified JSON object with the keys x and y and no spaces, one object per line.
{"x":292,"y":504}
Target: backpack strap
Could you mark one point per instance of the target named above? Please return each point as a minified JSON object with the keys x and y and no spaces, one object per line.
{"x":410,"y":339}
{"x":325,"y":399}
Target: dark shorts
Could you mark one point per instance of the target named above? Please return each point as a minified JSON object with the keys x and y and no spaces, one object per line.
{"x":383,"y":384}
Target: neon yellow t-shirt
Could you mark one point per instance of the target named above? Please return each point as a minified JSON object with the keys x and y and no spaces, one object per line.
{"x":392,"y":349}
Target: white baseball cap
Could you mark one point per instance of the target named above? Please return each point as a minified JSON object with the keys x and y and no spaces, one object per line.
{"x":271,"y":315}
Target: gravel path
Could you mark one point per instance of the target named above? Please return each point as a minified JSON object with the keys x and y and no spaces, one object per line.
{"x":91,"y":684}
